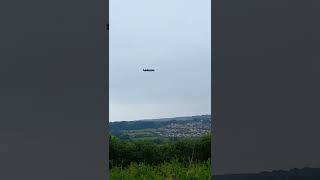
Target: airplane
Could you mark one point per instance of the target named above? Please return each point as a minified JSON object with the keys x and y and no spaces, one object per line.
{"x":148,"y":69}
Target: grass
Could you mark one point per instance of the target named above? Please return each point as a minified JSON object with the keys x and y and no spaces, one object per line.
{"x":166,"y":171}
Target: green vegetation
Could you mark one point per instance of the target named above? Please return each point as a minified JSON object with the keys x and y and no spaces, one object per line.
{"x":166,"y":171}
{"x":167,"y":159}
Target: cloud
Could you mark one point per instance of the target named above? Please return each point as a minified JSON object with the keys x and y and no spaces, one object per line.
{"x":174,"y":38}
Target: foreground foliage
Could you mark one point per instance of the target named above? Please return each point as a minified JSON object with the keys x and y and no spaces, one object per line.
{"x":125,"y":152}
{"x":185,"y":159}
{"x":173,"y":170}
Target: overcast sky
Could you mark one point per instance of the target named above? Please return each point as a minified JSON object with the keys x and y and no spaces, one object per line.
{"x":174,"y":38}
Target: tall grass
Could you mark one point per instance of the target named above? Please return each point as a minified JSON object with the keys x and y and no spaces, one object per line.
{"x":173,"y":170}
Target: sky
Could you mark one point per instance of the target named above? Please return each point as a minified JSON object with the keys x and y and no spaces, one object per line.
{"x":174,"y":38}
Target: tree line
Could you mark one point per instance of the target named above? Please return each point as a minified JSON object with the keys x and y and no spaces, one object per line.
{"x":124,"y":152}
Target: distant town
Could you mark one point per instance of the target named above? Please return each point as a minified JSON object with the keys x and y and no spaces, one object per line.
{"x":178,"y":127}
{"x":190,"y":129}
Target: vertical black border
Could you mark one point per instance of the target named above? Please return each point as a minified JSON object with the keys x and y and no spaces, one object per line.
{"x":107,"y":88}
{"x":213,"y":10}
{"x":53,"y":89}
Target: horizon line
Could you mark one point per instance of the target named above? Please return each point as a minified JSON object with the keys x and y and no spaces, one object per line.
{"x":145,"y":119}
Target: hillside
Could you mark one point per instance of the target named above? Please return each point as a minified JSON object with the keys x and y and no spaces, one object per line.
{"x":164,"y":128}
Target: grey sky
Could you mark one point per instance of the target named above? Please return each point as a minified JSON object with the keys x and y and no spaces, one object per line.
{"x":174,"y":38}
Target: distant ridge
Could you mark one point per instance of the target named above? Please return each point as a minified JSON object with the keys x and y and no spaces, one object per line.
{"x":162,"y":128}
{"x":178,"y":118}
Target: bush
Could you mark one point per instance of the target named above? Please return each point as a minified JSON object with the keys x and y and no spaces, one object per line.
{"x":125,"y":152}
{"x":164,"y":171}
